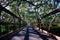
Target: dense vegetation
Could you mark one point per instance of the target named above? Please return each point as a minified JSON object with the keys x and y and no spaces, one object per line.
{"x":31,"y":11}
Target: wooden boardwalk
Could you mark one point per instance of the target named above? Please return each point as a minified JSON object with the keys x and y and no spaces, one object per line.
{"x":30,"y":33}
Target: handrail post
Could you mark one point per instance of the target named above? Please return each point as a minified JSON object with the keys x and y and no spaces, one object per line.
{"x":14,"y":27}
{"x":19,"y":22}
{"x":39,"y":23}
{"x":7,"y":29}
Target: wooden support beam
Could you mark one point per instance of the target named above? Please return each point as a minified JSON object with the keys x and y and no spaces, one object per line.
{"x":9,"y":12}
{"x":51,"y":13}
{"x":7,"y":23}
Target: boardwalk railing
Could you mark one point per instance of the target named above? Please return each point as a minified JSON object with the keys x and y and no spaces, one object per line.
{"x":13,"y":23}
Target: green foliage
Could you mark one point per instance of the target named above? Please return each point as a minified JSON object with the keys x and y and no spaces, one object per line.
{"x":30,"y":13}
{"x":3,"y":28}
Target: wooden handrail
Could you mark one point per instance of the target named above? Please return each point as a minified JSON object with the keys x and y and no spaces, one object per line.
{"x":51,"y":13}
{"x":9,"y":12}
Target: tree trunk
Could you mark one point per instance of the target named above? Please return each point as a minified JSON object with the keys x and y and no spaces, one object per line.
{"x":53,"y":19}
